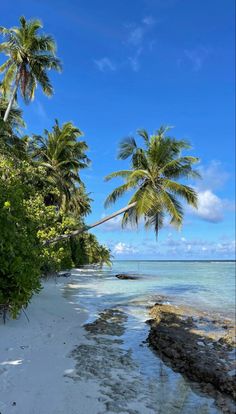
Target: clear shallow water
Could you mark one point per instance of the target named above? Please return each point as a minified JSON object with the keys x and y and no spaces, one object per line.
{"x":208,"y":286}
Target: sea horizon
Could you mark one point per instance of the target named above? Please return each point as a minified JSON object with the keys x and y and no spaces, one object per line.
{"x":174,"y":260}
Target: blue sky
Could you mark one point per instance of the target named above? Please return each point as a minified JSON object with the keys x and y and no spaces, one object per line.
{"x":140,"y":64}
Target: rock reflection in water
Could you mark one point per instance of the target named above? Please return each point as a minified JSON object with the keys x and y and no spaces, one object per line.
{"x":106,"y":356}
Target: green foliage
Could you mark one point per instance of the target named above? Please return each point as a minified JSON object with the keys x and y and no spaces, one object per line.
{"x":19,"y":245}
{"x":154,"y":172}
{"x":85,"y":249}
{"x":41,"y":193}
{"x":26,"y":221}
{"x":63,"y":156}
{"x":30,"y":55}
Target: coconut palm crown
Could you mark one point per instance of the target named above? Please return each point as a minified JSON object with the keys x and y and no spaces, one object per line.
{"x":63,"y":156}
{"x":155,"y":170}
{"x":30,"y":56}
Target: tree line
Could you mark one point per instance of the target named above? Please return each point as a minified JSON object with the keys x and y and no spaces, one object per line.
{"x":43,"y":200}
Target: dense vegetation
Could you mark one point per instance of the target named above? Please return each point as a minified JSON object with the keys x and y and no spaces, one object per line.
{"x":41,"y":192}
{"x":42,"y":196}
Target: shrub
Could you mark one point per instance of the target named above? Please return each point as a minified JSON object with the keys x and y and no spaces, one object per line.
{"x":19,"y":247}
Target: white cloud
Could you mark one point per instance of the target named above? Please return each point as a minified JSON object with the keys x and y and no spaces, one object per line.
{"x":149,"y":21}
{"x":134,"y":60}
{"x":213,"y":176}
{"x":105,"y":64}
{"x":210,"y":207}
{"x":113,"y":224}
{"x":198,"y":247}
{"x":135,"y":36}
{"x":175,"y":248}
{"x":137,"y":39}
{"x":124,"y":248}
{"x":196,"y":57}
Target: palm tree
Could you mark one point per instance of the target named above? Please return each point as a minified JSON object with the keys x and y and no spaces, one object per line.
{"x":63,"y":156}
{"x":10,"y":142}
{"x":155,"y":170}
{"x":104,"y":256}
{"x":15,"y":119}
{"x":152,"y":176}
{"x":79,"y":204}
{"x":30,"y":56}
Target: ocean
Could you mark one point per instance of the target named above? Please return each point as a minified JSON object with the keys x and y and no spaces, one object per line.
{"x":208,"y":286}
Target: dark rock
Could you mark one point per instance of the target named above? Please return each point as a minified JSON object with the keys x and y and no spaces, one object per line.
{"x":63,"y":274}
{"x":124,"y":276}
{"x":178,"y":342}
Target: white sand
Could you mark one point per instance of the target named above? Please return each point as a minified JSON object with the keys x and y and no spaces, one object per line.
{"x":34,"y":357}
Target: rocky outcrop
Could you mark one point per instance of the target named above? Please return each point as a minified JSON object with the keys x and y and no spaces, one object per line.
{"x":125,"y":276}
{"x":201,"y":348}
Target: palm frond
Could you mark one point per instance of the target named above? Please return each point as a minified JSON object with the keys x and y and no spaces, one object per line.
{"x":117,"y":193}
{"x":127,"y":147}
{"x":117,"y":174}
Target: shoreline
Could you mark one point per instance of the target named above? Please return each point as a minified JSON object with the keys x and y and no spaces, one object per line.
{"x":35,"y":357}
{"x":63,"y":360}
{"x":199,"y":347}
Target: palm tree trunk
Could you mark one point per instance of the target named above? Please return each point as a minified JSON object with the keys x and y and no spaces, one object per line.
{"x":86,"y":228}
{"x":13,"y":95}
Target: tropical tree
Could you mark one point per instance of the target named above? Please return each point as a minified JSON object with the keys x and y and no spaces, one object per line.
{"x":104,"y":256}
{"x":79,"y":204}
{"x":63,"y":156}
{"x":154,"y":172}
{"x":15,"y":119}
{"x":29,"y":56}
{"x":10,"y":141}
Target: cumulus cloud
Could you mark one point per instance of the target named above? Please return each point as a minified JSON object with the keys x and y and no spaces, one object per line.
{"x":105,"y":64}
{"x":210,"y":207}
{"x":200,"y":248}
{"x":124,"y":248}
{"x":213,"y":176}
{"x":176,"y":248}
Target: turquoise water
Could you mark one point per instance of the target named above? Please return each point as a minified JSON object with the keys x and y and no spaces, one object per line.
{"x":208,"y":286}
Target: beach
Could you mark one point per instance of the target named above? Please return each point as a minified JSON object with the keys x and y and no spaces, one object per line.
{"x":34,"y":358}
{"x":83,"y":349}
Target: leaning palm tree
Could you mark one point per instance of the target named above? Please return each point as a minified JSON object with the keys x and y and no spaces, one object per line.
{"x":63,"y":156}
{"x":30,"y":56}
{"x":153,"y":176}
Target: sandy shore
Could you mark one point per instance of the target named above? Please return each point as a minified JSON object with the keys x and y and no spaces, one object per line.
{"x":56,"y":363}
{"x":34,"y":358}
